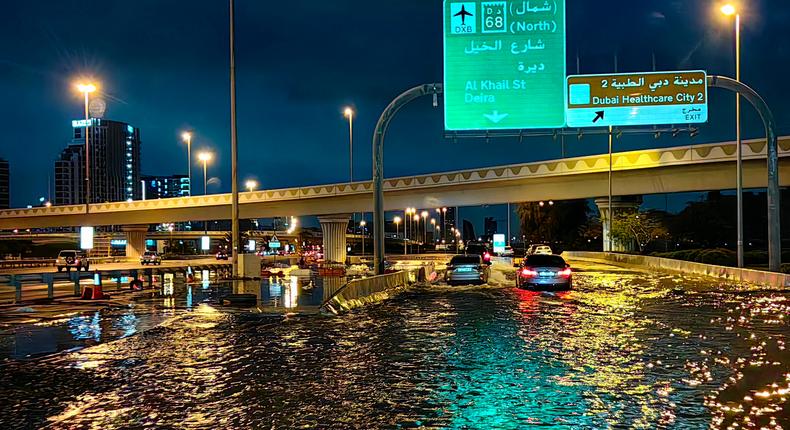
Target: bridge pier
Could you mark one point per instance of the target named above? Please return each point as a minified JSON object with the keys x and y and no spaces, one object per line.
{"x":618,"y":203}
{"x":135,"y":240}
{"x":334,"y":228}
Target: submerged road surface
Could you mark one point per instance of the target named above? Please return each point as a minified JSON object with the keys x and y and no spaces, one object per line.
{"x":625,"y":349}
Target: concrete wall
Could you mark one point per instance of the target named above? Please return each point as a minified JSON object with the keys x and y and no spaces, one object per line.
{"x":774,"y":280}
{"x":374,"y":289}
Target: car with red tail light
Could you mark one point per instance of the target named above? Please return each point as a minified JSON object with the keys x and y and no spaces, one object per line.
{"x":467,"y":269}
{"x":544,"y":272}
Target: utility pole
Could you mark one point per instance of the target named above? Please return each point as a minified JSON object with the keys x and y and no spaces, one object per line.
{"x":234,"y":146}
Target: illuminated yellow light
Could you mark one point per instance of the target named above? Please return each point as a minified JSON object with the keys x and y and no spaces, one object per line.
{"x":728,"y":9}
{"x":186,"y":136}
{"x":204,"y":156}
{"x":348,"y":112}
{"x":397,"y":220}
{"x":86,"y":88}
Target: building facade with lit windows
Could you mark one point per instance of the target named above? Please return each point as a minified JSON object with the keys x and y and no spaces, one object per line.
{"x":114,"y":163}
{"x":164,"y":187}
{"x":5,"y":184}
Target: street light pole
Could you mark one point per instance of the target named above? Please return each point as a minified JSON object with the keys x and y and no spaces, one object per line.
{"x":187,"y":136}
{"x":362,"y":227}
{"x":205,"y":191}
{"x":87,"y":155}
{"x":397,"y":221}
{"x":86,"y":89}
{"x":234,"y":153}
{"x":205,"y":157}
{"x":738,"y":145}
{"x":349,"y":113}
{"x":425,"y":231}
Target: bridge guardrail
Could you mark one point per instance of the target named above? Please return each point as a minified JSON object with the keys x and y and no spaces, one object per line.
{"x":25,"y":263}
{"x":21,"y":284}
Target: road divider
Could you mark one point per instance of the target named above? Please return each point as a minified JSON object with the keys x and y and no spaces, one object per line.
{"x":768,"y":279}
{"x":359,"y":292}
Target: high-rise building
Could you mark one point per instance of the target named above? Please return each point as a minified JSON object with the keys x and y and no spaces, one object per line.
{"x":5,"y":191}
{"x":489,"y":227}
{"x":164,"y":187}
{"x":70,"y":176}
{"x":114,"y":163}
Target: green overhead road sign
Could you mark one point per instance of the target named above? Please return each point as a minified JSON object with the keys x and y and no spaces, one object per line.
{"x":504,"y":64}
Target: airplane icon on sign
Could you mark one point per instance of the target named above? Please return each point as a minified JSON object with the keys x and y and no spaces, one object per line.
{"x":463,"y":14}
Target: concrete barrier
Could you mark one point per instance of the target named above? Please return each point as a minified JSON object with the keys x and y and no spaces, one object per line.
{"x":770,"y":279}
{"x":374,"y":289}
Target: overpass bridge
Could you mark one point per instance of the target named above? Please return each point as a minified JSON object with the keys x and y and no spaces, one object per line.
{"x":701,"y":167}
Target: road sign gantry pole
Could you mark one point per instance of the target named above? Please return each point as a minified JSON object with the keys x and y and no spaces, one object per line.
{"x":379,"y":133}
{"x":772,"y":158}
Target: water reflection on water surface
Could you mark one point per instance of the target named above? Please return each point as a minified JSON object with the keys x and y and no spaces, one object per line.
{"x":625,"y":350}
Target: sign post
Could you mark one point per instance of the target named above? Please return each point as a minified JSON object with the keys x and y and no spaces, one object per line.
{"x":637,"y":99}
{"x":504,"y":64}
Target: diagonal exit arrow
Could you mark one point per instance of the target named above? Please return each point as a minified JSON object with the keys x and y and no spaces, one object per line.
{"x":598,"y":115}
{"x":495,"y":116}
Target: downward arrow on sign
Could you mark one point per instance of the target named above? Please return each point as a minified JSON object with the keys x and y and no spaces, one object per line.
{"x":495,"y":116}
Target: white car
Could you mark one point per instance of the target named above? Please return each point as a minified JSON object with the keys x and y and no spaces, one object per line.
{"x":540,"y":250}
{"x":68,"y":259}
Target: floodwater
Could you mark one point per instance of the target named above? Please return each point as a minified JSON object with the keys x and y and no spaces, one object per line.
{"x":623,"y":350}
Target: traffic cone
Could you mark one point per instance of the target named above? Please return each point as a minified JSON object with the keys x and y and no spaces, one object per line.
{"x":98,"y":294}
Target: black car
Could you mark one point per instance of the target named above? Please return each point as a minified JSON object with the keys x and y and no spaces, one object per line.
{"x":479,"y":249}
{"x":544,"y":272}
{"x":222,"y":255}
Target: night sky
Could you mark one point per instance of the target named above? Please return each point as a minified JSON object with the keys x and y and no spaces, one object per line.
{"x":163,"y":67}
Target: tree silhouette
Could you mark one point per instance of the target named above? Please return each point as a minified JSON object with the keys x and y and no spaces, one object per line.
{"x":556,"y":223}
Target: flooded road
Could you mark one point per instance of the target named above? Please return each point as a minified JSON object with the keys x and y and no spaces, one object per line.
{"x":623,"y":350}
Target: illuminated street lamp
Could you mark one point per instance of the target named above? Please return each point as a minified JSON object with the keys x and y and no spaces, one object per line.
{"x":407,"y":233}
{"x":424,"y":216}
{"x":362,"y":225}
{"x":86,"y":89}
{"x":349,"y":113}
{"x":205,"y":157}
{"x":187,"y":138}
{"x":730,"y":10}
{"x":397,"y":220}
{"x":251,"y":185}
{"x":444,"y":220}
